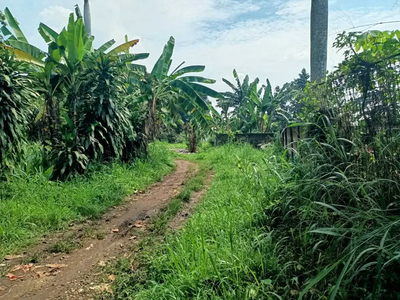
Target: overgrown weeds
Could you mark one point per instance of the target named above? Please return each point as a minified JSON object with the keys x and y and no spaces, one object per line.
{"x":337,"y":218}
{"x":322,"y":226}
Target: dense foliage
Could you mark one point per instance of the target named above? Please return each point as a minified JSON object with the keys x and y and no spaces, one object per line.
{"x":91,"y":105}
{"x":320,"y":223}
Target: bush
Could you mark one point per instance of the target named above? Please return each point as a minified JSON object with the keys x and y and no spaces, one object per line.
{"x":16,"y":94}
{"x":337,"y":216}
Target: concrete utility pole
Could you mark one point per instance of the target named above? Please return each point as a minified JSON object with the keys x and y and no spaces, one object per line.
{"x":319,"y":39}
{"x":87,"y":18}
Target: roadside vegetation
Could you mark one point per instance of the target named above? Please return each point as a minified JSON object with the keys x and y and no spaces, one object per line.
{"x":312,"y":214}
{"x":32,"y":206}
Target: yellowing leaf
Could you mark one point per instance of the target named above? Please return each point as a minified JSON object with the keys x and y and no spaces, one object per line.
{"x":122,"y":48}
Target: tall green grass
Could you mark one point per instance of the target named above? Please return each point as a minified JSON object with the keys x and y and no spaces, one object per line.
{"x":31,"y":205}
{"x":222,"y":253}
{"x":338,"y":220}
{"x":325,"y":225}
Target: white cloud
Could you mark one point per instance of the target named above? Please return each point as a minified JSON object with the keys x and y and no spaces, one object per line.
{"x":55,"y":16}
{"x":262,"y":38}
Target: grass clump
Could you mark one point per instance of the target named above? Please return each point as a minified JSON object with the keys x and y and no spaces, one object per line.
{"x":32,"y":206}
{"x":65,"y":246}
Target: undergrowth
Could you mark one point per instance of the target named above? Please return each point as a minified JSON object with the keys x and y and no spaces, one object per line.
{"x":31,"y":206}
{"x":322,"y":226}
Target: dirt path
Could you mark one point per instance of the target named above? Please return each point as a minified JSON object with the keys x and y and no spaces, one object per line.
{"x":72,"y":276}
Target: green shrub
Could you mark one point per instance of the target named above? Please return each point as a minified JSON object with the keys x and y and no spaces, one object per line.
{"x":16,"y":94}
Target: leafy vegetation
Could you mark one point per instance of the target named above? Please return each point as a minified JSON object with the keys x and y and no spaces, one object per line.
{"x":31,"y":205}
{"x":322,"y":222}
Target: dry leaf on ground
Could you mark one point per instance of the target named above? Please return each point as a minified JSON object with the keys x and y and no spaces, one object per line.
{"x":138,"y":224}
{"x":12,"y":277}
{"x":112,"y":277}
{"x":2,"y":289}
{"x":11,"y":257}
{"x":40,"y":274}
{"x":24,"y":268}
{"x":102,"y":288}
{"x":102,"y":263}
{"x":115,"y":230}
{"x":56,"y":266}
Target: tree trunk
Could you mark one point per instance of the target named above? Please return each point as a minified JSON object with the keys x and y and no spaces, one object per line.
{"x":319,"y":39}
{"x":52,"y":119}
{"x":87,"y":18}
{"x":192,"y":139}
{"x":262,"y":125}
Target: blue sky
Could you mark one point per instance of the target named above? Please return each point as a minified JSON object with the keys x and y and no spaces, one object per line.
{"x":262,"y":38}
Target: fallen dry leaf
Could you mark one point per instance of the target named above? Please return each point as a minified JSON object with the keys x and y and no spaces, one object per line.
{"x":112,"y":277}
{"x":24,"y":268}
{"x":102,"y":263}
{"x":115,"y":230}
{"x":138,"y":224}
{"x":11,"y":257}
{"x":12,"y":277}
{"x":102,"y":288}
{"x":133,"y":237}
{"x":56,"y":266}
{"x":2,"y":289}
{"x":40,"y":274}
{"x":90,"y":247}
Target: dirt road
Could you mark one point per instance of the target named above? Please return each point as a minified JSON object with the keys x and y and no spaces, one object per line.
{"x":71,"y":276}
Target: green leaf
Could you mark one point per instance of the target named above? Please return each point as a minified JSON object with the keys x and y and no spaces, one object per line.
{"x":204,"y":90}
{"x":78,"y":12}
{"x":197,"y":79}
{"x":189,"y":69}
{"x":48,"y":34}
{"x":161,"y":68}
{"x":79,"y":45}
{"x":103,"y":48}
{"x":28,"y":48}
{"x":133,"y":57}
{"x":14,"y":26}
{"x":189,"y":91}
{"x":89,"y":44}
{"x":138,"y":68}
{"x":327,"y":231}
{"x":71,"y":50}
{"x":318,"y":278}
{"x":7,"y":32}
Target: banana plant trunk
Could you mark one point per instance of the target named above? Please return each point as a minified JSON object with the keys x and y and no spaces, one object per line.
{"x":319,"y":39}
{"x":262,"y":125}
{"x":192,"y":138}
{"x":88,"y":18}
{"x":52,"y":119}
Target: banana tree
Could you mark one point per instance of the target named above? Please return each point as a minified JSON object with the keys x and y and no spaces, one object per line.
{"x":58,"y":68}
{"x":161,"y":86}
{"x":240,"y":92}
{"x":266,"y":106}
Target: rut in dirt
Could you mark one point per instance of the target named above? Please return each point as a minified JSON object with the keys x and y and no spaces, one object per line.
{"x":72,"y":276}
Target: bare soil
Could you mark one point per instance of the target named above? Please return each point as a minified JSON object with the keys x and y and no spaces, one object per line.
{"x":116,"y":234}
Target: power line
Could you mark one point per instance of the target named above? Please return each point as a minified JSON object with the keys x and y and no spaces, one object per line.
{"x":367,"y":25}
